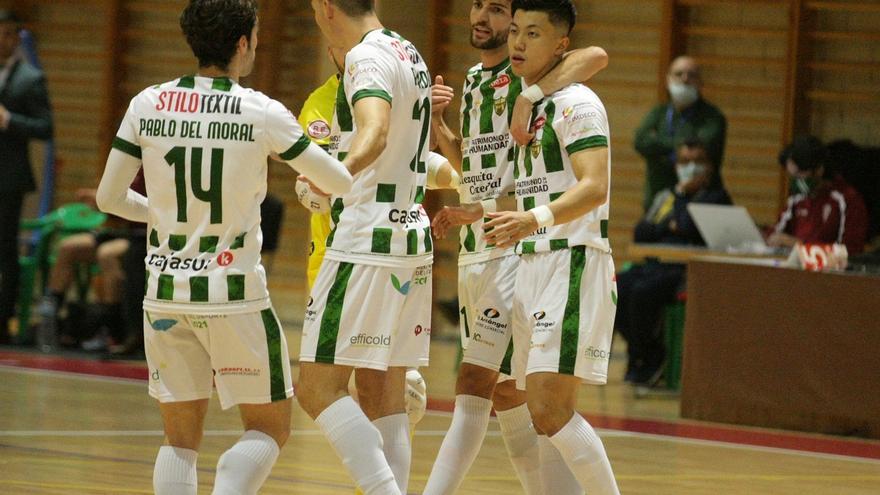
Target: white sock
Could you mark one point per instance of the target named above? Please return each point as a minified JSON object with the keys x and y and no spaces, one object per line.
{"x":396,"y":446}
{"x":358,"y":443}
{"x":243,"y":469}
{"x":175,"y":471}
{"x":585,"y":455}
{"x":470,"y":419}
{"x":522,"y":447}
{"x":556,"y":478}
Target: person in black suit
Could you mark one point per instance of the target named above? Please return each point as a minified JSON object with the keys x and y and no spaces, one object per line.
{"x":24,"y":115}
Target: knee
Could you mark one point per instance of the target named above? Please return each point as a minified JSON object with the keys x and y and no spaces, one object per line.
{"x":547,"y":417}
{"x":314,"y":399}
{"x":475,"y":380}
{"x":507,"y":396}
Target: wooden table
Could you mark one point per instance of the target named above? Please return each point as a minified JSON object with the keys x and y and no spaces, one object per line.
{"x":679,"y":253}
{"x":782,"y":348}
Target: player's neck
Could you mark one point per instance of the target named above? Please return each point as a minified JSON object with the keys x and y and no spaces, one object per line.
{"x":493,"y":57}
{"x":534,"y":78}
{"x":353,"y":32}
{"x":232,"y":72}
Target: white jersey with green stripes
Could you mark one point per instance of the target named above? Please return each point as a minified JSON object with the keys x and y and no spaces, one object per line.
{"x":487,"y":149}
{"x":381,"y":221}
{"x":204,"y":143}
{"x":571,"y":120}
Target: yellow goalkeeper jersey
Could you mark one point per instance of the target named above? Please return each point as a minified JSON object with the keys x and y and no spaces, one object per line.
{"x":316,"y":118}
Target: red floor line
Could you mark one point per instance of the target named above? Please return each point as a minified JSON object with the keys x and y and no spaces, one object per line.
{"x":692,"y":430}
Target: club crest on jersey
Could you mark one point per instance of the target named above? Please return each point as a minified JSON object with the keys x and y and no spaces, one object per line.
{"x":503,"y":80}
{"x":535,"y":148}
{"x":318,"y":129}
{"x":567,"y":112}
{"x":500,"y":105}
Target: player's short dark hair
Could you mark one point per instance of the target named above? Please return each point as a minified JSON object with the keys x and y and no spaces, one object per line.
{"x":807,"y":152}
{"x":562,"y":13}
{"x":213,"y":28}
{"x":10,"y":17}
{"x":355,"y":8}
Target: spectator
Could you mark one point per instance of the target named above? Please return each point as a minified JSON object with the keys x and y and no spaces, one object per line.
{"x":646,"y":288}
{"x":686,"y":114}
{"x":106,"y":248}
{"x":24,"y":115}
{"x":822,"y":207}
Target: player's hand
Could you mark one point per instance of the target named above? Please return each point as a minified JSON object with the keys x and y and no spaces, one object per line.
{"x":441,"y":96}
{"x":315,"y":189}
{"x":312,"y":198}
{"x":520,"y":121}
{"x":509,"y":227}
{"x":454,"y":216}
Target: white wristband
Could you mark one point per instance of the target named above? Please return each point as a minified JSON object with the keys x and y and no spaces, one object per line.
{"x":489,"y":206}
{"x":533,"y":93}
{"x":543,"y":215}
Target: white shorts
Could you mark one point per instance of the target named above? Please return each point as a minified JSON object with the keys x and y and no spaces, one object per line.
{"x":244,"y":355}
{"x":563,"y":314}
{"x":485,"y":295}
{"x":368,"y":316}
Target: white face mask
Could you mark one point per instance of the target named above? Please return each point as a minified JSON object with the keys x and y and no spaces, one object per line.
{"x":682,"y":94}
{"x":689,"y":170}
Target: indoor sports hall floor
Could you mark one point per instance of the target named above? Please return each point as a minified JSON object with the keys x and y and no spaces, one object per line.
{"x":70,"y":425}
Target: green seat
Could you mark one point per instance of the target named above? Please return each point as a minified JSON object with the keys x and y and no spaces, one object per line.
{"x":50,"y":228}
{"x":674,"y":333}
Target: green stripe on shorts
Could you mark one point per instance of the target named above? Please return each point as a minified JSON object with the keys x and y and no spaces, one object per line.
{"x":329,"y":332}
{"x":273,"y":346}
{"x":571,"y":321}
{"x":508,"y":355}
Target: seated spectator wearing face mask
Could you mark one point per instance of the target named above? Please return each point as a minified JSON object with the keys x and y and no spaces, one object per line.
{"x":822,"y":208}
{"x":686,"y":114}
{"x":646,"y":288}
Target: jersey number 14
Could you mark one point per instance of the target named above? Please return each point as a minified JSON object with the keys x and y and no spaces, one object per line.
{"x":213,"y":195}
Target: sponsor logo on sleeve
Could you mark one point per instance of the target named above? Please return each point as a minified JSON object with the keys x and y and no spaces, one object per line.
{"x":318,"y":129}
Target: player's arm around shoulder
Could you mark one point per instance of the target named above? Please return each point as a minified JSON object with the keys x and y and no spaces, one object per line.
{"x":578,"y":65}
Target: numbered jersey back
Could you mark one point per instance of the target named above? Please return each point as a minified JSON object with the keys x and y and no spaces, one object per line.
{"x":204,"y":143}
{"x":382,"y":221}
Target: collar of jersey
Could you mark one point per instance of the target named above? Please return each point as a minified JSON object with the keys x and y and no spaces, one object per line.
{"x":371,"y":31}
{"x":498,"y":68}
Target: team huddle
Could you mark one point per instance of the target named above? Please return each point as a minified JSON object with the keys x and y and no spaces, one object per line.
{"x":531,"y":163}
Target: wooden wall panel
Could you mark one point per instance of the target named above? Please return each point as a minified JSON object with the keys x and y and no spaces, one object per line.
{"x":844,"y":70}
{"x":742,"y":47}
